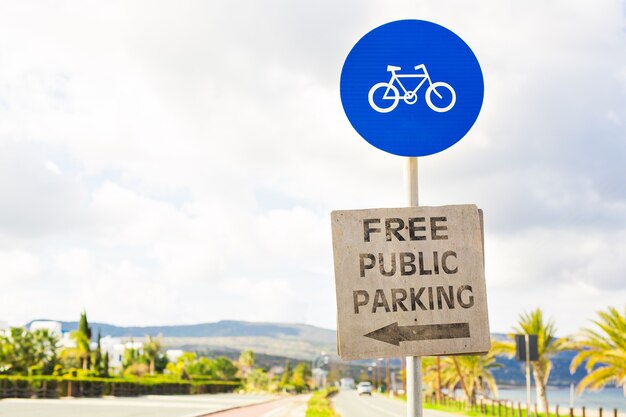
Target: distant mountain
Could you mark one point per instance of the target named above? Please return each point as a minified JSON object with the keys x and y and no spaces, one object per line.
{"x":297,"y":341}
{"x":225,"y":328}
{"x":513,"y":372}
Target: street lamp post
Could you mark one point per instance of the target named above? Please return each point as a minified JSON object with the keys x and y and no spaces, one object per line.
{"x":317,"y":364}
{"x":375,"y":374}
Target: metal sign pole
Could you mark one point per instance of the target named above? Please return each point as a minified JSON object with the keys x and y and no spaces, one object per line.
{"x":413,"y":363}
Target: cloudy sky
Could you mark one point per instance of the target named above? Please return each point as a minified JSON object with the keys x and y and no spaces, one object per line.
{"x":176,"y":162}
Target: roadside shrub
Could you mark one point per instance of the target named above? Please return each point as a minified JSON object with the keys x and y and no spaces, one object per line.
{"x":56,"y":387}
{"x":319,"y":405}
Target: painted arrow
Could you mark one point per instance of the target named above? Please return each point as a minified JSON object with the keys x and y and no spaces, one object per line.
{"x":394,"y":334}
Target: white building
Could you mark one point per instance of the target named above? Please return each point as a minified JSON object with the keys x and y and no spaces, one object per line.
{"x":115,"y":347}
{"x":174,"y":354}
{"x":53,"y":327}
{"x":4,"y":328}
{"x":66,"y":342}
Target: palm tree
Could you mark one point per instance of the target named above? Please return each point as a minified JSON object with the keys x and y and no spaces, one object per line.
{"x":604,"y":350}
{"x":24,"y":352}
{"x":151,"y":349}
{"x":472,"y":373}
{"x":429,"y":373}
{"x":82,"y":337}
{"x":548,"y":345}
{"x":432,"y":369}
{"x":44,"y":350}
{"x":83,"y":350}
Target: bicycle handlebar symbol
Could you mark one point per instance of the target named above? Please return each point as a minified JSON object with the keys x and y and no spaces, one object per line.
{"x":392,"y":93}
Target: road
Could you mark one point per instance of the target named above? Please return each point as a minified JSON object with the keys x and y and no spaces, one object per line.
{"x":148,"y":406}
{"x":349,"y":404}
{"x":288,"y":407}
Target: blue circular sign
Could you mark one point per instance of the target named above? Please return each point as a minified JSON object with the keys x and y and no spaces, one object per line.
{"x":411,"y":88}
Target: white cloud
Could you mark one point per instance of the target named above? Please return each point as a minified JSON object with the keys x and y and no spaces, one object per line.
{"x":166,"y":163}
{"x":18,"y":268}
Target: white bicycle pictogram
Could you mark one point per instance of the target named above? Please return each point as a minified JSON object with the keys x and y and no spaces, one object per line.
{"x":392,"y":93}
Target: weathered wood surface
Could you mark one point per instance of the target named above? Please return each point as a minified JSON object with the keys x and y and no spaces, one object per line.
{"x":410,"y":282}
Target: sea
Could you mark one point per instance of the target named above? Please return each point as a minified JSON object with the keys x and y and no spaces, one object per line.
{"x":609,"y":398}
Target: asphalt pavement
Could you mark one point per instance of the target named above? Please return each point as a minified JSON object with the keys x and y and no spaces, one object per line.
{"x":287,"y":407}
{"x":147,"y":406}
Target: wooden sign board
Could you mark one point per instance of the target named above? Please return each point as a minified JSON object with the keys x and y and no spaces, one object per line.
{"x":410,"y":282}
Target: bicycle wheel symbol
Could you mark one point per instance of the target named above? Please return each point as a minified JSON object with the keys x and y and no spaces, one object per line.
{"x":433,"y":89}
{"x":394,"y":97}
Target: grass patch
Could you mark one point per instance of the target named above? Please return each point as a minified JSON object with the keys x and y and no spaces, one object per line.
{"x":495,"y":410}
{"x":319,"y":405}
{"x":452,"y":409}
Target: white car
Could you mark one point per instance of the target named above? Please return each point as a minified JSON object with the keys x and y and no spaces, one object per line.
{"x":364,"y":388}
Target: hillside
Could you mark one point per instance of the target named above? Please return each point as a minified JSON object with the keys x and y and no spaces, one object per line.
{"x":225,"y":328}
{"x":512,"y":372}
{"x":297,"y":341}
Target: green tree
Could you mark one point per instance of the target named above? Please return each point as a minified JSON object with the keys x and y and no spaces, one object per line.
{"x":23,"y":352}
{"x":179,"y":369}
{"x":45,"y":351}
{"x":220,"y":368}
{"x":83,"y":350}
{"x":97,"y":359}
{"x":223,"y":368}
{"x":132,"y":356}
{"x":82,"y":337}
{"x":16,"y":352}
{"x":284,"y":380}
{"x":472,"y":373}
{"x":135,"y":362}
{"x":5,"y":355}
{"x":246,"y":362}
{"x":604,"y":350}
{"x":201,"y":366}
{"x":432,"y":375}
{"x":83,"y":325}
{"x":548,"y":346}
{"x":161,"y":363}
{"x":301,"y":374}
{"x":151,"y":349}
{"x":257,"y":380}
{"x":105,"y":365}
{"x":69,"y":360}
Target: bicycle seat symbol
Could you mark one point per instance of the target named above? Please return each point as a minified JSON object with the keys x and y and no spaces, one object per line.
{"x":392,"y":95}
